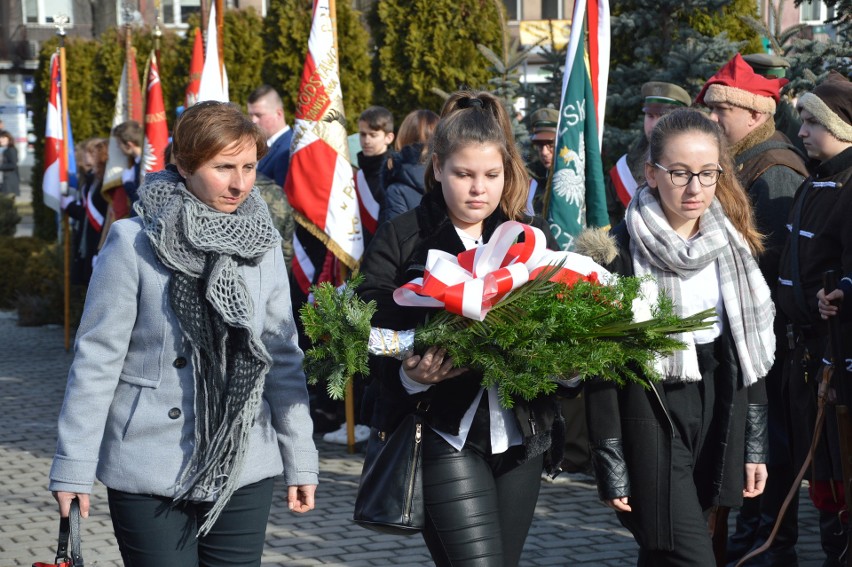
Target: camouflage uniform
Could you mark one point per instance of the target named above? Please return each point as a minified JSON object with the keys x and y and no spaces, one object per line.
{"x":281,"y":213}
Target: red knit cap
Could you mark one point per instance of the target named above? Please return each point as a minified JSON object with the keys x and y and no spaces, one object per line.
{"x":736,"y":83}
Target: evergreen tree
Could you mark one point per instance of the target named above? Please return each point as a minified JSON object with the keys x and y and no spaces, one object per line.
{"x":285,"y":39}
{"x":675,"y":52}
{"x":548,"y":93}
{"x":810,"y":60}
{"x":427,"y":44}
{"x":506,"y":84}
{"x":710,"y":21}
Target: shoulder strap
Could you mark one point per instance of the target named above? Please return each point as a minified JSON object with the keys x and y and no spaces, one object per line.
{"x":755,"y":151}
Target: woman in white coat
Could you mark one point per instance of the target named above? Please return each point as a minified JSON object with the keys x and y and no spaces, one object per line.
{"x":186,"y":395}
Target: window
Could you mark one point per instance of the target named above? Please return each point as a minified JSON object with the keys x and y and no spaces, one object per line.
{"x":177,"y":12}
{"x":812,"y":12}
{"x":514,"y":9}
{"x":43,"y":11}
{"x":551,"y":9}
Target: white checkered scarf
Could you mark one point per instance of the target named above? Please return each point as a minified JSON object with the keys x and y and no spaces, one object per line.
{"x":657,"y":250}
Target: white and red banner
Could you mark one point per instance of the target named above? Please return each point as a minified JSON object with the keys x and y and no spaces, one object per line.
{"x":367,"y":205}
{"x":214,"y":77}
{"x":156,"y":129}
{"x":623,"y":180}
{"x":196,"y":65}
{"x":55,"y":184}
{"x":128,"y":106}
{"x":320,"y":185}
{"x":472,"y":282}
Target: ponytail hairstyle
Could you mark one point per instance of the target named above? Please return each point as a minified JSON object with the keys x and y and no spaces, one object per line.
{"x":478,"y":117}
{"x":729,"y":191}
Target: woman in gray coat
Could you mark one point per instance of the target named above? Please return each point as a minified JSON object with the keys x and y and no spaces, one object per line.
{"x":186,"y":395}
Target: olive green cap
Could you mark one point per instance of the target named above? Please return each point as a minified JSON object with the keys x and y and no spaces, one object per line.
{"x":767,"y":65}
{"x":656,"y":92}
{"x":544,"y":121}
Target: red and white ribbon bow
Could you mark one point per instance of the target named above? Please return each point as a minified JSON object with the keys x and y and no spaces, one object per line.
{"x":471,"y":283}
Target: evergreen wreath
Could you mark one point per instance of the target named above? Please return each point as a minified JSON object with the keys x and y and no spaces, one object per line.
{"x":542,"y":332}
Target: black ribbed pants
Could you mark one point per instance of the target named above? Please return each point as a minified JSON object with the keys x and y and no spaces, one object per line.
{"x":479,"y":506}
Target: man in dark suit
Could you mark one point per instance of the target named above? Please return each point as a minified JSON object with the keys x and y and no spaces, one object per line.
{"x":267,"y":111}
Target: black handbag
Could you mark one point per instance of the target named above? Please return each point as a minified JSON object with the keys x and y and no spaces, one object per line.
{"x":390,"y":493}
{"x":69,"y":532}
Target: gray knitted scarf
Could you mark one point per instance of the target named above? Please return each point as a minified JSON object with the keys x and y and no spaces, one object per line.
{"x":657,"y":250}
{"x":204,"y":249}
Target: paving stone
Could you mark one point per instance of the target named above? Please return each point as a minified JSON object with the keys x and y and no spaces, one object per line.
{"x":571,"y":527}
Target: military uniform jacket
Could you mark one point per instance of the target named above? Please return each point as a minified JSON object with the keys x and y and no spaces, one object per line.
{"x":822,"y":240}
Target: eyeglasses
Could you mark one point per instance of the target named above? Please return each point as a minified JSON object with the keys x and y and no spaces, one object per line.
{"x":683,"y":177}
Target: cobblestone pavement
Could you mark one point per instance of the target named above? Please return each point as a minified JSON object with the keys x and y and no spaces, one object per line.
{"x":570,"y":528}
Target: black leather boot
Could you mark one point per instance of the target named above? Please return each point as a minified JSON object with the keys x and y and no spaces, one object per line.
{"x":741,"y":541}
{"x":832,"y":535}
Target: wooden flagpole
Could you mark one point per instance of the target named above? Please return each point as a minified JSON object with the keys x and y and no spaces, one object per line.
{"x":220,"y":37}
{"x":60,"y":21}
{"x":349,"y":396}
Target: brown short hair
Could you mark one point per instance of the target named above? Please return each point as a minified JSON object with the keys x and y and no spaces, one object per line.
{"x":206,"y":128}
{"x":378,"y":118}
{"x":129,"y":132}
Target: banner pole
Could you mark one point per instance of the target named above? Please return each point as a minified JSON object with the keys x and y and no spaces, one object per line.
{"x":60,"y":21}
{"x":349,"y":396}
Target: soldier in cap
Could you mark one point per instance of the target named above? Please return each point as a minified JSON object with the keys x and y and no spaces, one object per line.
{"x":770,"y":169}
{"x":543,"y":123}
{"x":628,"y":173}
{"x":820,"y":239}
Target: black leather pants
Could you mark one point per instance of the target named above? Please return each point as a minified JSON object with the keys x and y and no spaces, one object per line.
{"x":479,"y":506}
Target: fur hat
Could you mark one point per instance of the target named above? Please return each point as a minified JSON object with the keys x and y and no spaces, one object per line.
{"x":736,"y":83}
{"x":831,"y":104}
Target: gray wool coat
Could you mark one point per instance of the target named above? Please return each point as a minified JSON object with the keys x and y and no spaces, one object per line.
{"x":129,"y":414}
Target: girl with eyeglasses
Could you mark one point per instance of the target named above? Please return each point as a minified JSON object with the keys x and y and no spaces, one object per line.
{"x":666,"y":455}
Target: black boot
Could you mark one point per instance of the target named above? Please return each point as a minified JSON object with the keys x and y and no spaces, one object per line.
{"x":833,"y":537}
{"x":742,"y":540}
{"x":783,"y":548}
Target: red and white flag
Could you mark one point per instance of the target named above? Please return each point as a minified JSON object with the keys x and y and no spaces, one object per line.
{"x":156,"y":129}
{"x":128,"y":106}
{"x":196,"y":65}
{"x":214,"y":77}
{"x":367,"y":204}
{"x":320,"y":185}
{"x":55,"y":183}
